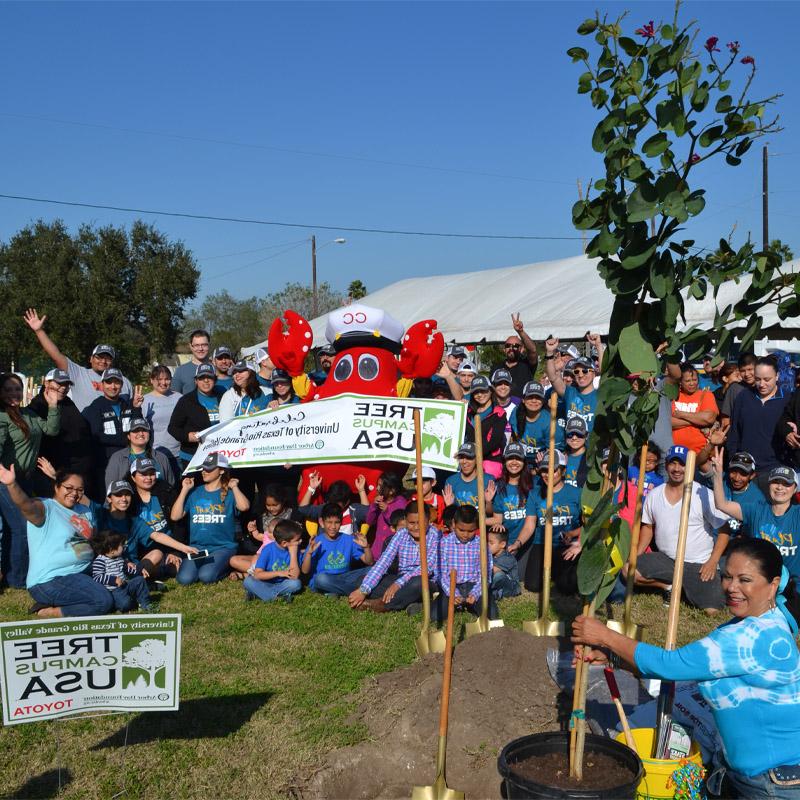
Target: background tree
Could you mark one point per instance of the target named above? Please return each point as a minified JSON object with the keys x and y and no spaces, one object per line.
{"x":356,"y":290}
{"x":236,"y":323}
{"x":783,"y":250}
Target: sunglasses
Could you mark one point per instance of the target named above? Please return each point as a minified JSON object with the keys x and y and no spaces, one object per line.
{"x":512,"y":346}
{"x":581,"y":371}
{"x":575,"y":436}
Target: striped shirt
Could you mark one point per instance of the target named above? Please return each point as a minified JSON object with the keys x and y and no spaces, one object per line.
{"x":465,"y":559}
{"x":406,"y":549}
{"x":106,"y":570}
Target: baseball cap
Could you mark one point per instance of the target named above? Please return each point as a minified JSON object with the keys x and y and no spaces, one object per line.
{"x":457,"y":351}
{"x":467,"y":450}
{"x":576,"y":425}
{"x":281,"y":376}
{"x":743,"y":462}
{"x":327,"y":350}
{"x":205,"y":371}
{"x":243,"y":366}
{"x":118,"y":487}
{"x":533,"y":389}
{"x":104,"y":350}
{"x":501,"y":376}
{"x":143,"y":464}
{"x":783,"y":475}
{"x":587,"y":363}
{"x":569,"y":366}
{"x":139,"y":424}
{"x":261,"y":355}
{"x":221,"y":351}
{"x":514,"y":450}
{"x":467,"y":366}
{"x":214,"y":460}
{"x":112,"y":374}
{"x":58,"y":375}
{"x":481,"y":384}
{"x":676,"y":452}
{"x":428,"y":473}
{"x":569,"y":350}
{"x":560,"y":459}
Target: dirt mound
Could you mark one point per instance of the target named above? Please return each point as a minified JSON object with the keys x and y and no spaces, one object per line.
{"x":501,"y":689}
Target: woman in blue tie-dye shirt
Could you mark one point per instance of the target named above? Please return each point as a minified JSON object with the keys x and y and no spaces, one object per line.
{"x":748,"y":670}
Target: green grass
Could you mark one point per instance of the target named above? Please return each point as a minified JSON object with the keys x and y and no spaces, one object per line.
{"x":265,"y":693}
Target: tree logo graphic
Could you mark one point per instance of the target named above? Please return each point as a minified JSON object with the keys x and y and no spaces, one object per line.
{"x":437,"y":432}
{"x":144,"y":660}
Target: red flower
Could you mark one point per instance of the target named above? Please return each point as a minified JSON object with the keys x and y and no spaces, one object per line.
{"x":694,"y":159}
{"x":648,"y":31}
{"x":711,"y":44}
{"x":734,"y":46}
{"x":749,"y":60}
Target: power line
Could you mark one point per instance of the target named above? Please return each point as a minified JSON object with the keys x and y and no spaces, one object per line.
{"x":254,"y":146}
{"x":247,"y":252}
{"x":253,"y":263}
{"x":306,"y":226}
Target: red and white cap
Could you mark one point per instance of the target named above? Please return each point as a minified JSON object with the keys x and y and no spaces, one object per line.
{"x":362,"y":325}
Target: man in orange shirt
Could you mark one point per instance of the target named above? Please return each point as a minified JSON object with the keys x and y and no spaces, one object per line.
{"x":694,"y":410}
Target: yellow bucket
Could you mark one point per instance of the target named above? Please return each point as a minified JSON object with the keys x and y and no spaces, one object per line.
{"x":657,"y":781}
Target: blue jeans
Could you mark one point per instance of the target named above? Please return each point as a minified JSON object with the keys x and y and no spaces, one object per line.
{"x":756,"y":787}
{"x":14,"y":539}
{"x":76,"y":595}
{"x":271,"y":590}
{"x":440,"y":605}
{"x":340,"y":584}
{"x":133,"y":593}
{"x":503,"y":586}
{"x":210,"y":572}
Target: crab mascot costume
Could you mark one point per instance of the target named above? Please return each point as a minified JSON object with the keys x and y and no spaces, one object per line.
{"x":373,"y":357}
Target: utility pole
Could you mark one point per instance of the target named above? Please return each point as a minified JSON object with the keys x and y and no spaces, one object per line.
{"x":314,"y":299}
{"x":765,"y":196}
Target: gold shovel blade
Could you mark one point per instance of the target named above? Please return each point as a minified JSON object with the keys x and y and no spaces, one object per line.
{"x":480,"y":625}
{"x":632,"y":630}
{"x":439,"y":791}
{"x":544,"y":627}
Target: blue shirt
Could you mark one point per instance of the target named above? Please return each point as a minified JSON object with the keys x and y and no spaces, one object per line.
{"x":210,"y":403}
{"x":566,"y":513}
{"x":707,"y":382}
{"x":248,"y":405}
{"x":580,"y":405}
{"x":748,"y":670}
{"x":466,"y":492}
{"x":334,"y":555}
{"x":783,"y":532}
{"x":506,"y":502}
{"x":752,"y":494}
{"x":152,"y":515}
{"x":212,"y":521}
{"x":651,"y":479}
{"x":536,"y":435}
{"x":273,"y":558}
{"x":60,"y":546}
{"x":224,"y":383}
{"x":573,"y":465}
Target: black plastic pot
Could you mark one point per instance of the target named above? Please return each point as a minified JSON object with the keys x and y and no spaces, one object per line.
{"x":537,"y":744}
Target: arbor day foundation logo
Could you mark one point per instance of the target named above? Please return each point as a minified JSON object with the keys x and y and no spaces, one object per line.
{"x":144,"y":659}
{"x":437,"y":432}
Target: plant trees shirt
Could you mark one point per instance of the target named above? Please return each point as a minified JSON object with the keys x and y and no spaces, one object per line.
{"x":580,"y":405}
{"x":212,"y":520}
{"x":784,"y":532}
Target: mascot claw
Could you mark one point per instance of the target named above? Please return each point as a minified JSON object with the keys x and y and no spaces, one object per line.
{"x":422,"y":351}
{"x":288,"y":348}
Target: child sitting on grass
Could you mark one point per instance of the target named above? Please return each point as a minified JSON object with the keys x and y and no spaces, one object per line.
{"x":505,"y":572}
{"x":110,"y":569}
{"x":277,"y":572}
{"x":339,"y":492}
{"x":461,"y":551}
{"x":382,"y":590}
{"x":328,"y":557}
{"x":388,"y":498}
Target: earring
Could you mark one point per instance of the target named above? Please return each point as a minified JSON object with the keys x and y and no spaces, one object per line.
{"x":772,"y":602}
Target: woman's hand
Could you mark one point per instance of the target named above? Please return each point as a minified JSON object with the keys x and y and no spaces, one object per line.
{"x":172,"y":560}
{"x":490,"y":491}
{"x":273,"y":404}
{"x":551,"y":345}
{"x":7,"y":476}
{"x":572,"y":552}
{"x":448,"y":495}
{"x":588,"y":630}
{"x":192,"y":437}
{"x":187,"y":484}
{"x":46,"y":467}
{"x":591,"y":657}
{"x":233,"y":483}
{"x":380,"y":502}
{"x":138,"y":397}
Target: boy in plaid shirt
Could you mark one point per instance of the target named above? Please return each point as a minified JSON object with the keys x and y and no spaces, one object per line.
{"x":382,"y":590}
{"x":461,"y":551}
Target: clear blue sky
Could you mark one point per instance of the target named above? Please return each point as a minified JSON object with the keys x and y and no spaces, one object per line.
{"x":481,"y":91}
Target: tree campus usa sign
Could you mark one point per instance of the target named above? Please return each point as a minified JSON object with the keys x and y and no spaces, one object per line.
{"x":62,"y":667}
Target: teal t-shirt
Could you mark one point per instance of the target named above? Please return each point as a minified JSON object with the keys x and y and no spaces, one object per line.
{"x":506,"y":502}
{"x":751,"y":495}
{"x":466,"y":492}
{"x":249,"y":405}
{"x":273,"y":558}
{"x":212,"y":521}
{"x":580,"y":405}
{"x":61,"y":545}
{"x":566,"y":513}
{"x":210,"y":403}
{"x":784,"y":532}
{"x":334,"y":555}
{"x":536,"y":435}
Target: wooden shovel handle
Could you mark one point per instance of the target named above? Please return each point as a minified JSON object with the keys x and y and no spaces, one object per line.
{"x":476,"y":421}
{"x":448,"y":656}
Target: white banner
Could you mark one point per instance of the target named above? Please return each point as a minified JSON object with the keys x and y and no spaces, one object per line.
{"x":348,"y":427}
{"x":58,"y":668}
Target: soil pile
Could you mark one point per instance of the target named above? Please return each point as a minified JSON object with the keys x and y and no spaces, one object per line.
{"x":501,"y":689}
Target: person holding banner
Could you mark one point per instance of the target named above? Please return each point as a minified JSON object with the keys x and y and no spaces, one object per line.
{"x":60,"y":554}
{"x":747,"y":670}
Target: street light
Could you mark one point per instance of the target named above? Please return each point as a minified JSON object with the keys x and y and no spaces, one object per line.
{"x":314,"y":297}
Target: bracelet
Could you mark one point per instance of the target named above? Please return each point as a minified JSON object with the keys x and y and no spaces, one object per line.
{"x":312,"y":490}
{"x":550,"y":358}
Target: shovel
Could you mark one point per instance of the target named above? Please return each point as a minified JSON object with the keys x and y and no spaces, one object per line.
{"x":483,"y":623}
{"x":543,"y":626}
{"x":428,"y":641}
{"x":667,"y":694}
{"x":439,"y":790}
{"x":627,"y":627}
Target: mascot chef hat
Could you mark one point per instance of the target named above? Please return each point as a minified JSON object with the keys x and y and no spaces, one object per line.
{"x":357,"y":325}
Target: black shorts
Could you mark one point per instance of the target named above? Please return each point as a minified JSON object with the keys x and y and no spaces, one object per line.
{"x":702,"y":594}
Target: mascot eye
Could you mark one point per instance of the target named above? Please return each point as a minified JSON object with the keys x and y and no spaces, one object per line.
{"x":368,"y":367}
{"x":344,"y":369}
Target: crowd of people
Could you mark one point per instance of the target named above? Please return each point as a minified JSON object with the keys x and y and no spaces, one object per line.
{"x":96,"y":515}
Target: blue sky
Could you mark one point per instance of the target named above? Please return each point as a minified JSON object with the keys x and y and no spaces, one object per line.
{"x":317,"y":112}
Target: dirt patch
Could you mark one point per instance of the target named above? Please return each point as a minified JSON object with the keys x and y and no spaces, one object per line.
{"x":600,"y":771}
{"x":501,"y":689}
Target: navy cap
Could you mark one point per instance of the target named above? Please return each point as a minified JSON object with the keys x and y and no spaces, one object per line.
{"x":58,"y":375}
{"x":783,"y":475}
{"x":457,"y":351}
{"x":214,"y":460}
{"x":533,"y":389}
{"x":744,"y":462}
{"x":139,"y":424}
{"x":467,"y":450}
{"x":501,"y":376}
{"x":243,"y":366}
{"x":221,"y":351}
{"x":112,"y":374}
{"x":104,"y":350}
{"x":143,"y":464}
{"x":576,"y":425}
{"x":119,"y":487}
{"x":205,"y":371}
{"x":327,"y":350}
{"x":514,"y":450}
{"x":587,"y":363}
{"x":480,"y":384}
{"x":676,"y":452}
{"x":560,"y":460}
{"x":280,"y":376}
{"x":569,"y":366}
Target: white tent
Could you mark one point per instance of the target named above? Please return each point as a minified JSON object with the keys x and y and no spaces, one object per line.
{"x":565,"y":298}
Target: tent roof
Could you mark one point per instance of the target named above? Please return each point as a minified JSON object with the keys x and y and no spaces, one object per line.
{"x":565,"y":298}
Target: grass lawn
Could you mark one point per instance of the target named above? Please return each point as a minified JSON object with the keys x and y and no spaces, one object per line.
{"x":264,"y":695}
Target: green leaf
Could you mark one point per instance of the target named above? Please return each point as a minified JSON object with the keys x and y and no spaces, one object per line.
{"x":585,"y":83}
{"x":752,"y":110}
{"x":670,"y":390}
{"x":723,"y":85}
{"x":724,"y":104}
{"x":599,"y":97}
{"x":587,"y":26}
{"x":636,"y":69}
{"x":655,"y":145}
{"x":698,"y":289}
{"x":612,"y":391}
{"x":732,"y":160}
{"x":674,"y":206}
{"x":695,"y":202}
{"x":578,"y":54}
{"x":667,"y":32}
{"x":753,"y":329}
{"x":700,"y":96}
{"x":638,"y":252}
{"x":711,"y":135}
{"x":641,"y":203}
{"x":607,"y":241}
{"x":630,"y":46}
{"x":636,"y":353}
